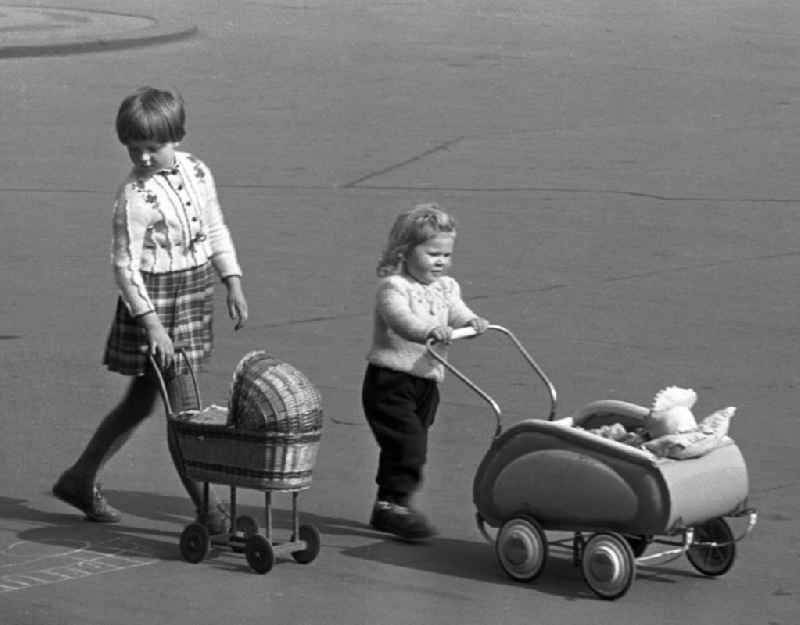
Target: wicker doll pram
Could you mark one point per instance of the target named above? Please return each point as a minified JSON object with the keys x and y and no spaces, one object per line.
{"x":266,"y":440}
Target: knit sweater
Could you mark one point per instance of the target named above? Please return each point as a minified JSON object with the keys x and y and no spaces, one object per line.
{"x":168,"y":221}
{"x":405,"y":312}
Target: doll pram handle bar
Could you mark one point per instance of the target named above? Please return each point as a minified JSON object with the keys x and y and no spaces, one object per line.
{"x":462,"y":333}
{"x":179,"y":353}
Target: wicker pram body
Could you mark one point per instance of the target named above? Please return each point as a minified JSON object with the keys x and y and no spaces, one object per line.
{"x":260,"y":460}
{"x":272,"y":434}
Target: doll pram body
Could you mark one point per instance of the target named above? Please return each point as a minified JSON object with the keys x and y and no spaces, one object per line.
{"x":542,"y":475}
{"x":573,"y":479}
{"x":219,"y":453}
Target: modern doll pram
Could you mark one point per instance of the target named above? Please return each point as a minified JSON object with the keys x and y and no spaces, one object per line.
{"x":556,"y":475}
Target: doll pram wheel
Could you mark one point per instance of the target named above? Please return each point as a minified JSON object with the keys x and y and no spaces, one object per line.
{"x":311,"y":536}
{"x":195,"y":543}
{"x":521,"y":548}
{"x":259,"y":553}
{"x":608,"y":565}
{"x":713,"y":548}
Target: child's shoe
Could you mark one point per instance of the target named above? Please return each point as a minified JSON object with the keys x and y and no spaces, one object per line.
{"x":401,"y":521}
{"x":215,"y":521}
{"x":88,"y":499}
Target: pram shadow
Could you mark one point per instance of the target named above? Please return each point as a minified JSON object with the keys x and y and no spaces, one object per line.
{"x":472,"y":560}
{"x":466,"y":559}
{"x":476,"y":561}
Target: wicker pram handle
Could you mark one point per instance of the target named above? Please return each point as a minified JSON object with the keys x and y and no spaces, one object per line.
{"x":179,"y":353}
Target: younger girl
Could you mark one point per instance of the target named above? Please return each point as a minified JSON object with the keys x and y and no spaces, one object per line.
{"x":168,"y":241}
{"x":415,"y":302}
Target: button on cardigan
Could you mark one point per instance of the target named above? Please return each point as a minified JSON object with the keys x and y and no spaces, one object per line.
{"x":168,"y":221}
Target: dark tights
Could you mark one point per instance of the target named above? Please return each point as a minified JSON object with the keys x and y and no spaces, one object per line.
{"x":119,"y":424}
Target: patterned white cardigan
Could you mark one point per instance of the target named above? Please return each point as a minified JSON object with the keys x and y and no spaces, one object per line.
{"x":168,"y":221}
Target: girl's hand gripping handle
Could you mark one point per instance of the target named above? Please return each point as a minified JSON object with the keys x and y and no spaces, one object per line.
{"x":463,"y":333}
{"x":158,"y":342}
{"x":459,"y":333}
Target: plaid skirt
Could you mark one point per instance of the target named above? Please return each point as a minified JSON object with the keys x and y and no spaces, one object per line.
{"x":184,"y":301}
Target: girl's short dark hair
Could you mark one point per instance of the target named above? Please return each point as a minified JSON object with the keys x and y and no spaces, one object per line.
{"x":150,"y":114}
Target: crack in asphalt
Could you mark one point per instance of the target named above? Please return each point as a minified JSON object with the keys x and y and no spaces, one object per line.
{"x":437,"y":148}
{"x":355,"y":185}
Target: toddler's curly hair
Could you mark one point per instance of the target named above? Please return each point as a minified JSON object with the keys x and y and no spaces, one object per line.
{"x":411,"y":228}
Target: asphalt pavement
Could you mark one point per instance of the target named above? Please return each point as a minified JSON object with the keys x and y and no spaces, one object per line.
{"x":623,"y":177}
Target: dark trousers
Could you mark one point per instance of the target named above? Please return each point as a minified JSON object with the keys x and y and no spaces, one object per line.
{"x":400,"y":408}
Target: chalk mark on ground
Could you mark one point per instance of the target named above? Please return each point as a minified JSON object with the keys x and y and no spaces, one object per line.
{"x":75,"y":564}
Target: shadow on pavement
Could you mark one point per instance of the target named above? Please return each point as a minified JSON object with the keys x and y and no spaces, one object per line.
{"x":69,"y":530}
{"x":472,"y":560}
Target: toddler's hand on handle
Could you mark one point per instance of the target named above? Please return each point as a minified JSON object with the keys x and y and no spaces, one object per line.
{"x":479,"y":324}
{"x":237,"y":304}
{"x":441,"y":334}
{"x":159,"y":344}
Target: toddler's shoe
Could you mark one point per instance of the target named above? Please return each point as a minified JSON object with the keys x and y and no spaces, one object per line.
{"x":215,"y":521}
{"x":401,"y":521}
{"x":89,"y":499}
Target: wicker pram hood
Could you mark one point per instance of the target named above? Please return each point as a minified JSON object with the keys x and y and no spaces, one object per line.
{"x":268,"y":394}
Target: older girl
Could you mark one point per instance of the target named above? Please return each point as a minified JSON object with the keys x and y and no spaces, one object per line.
{"x":168,"y":242}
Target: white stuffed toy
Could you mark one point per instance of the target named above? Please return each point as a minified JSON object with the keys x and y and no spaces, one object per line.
{"x":672,"y":412}
{"x":674,"y":431}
